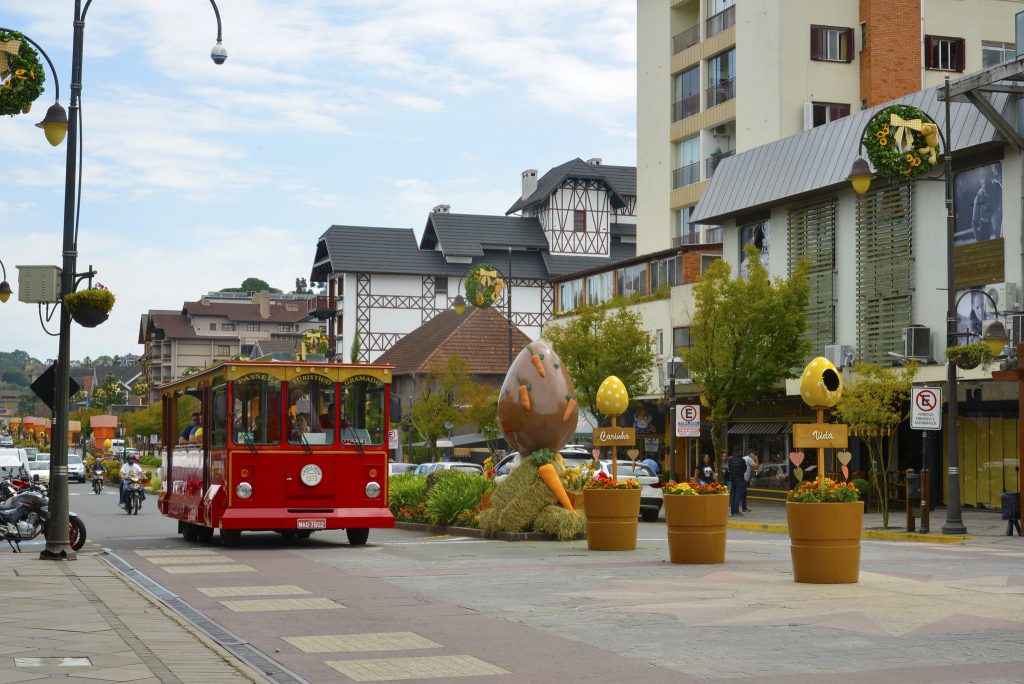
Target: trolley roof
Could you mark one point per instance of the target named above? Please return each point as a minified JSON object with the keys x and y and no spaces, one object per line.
{"x":284,"y":371}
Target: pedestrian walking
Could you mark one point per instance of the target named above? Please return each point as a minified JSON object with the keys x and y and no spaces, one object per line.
{"x":751,"y":460}
{"x":737,"y":468}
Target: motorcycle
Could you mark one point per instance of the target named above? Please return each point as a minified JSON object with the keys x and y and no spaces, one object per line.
{"x":9,"y":486}
{"x":133,"y":497}
{"x":26,"y":514}
{"x":97,"y":481}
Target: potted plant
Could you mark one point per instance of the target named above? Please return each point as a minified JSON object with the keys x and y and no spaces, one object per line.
{"x":969,"y":356}
{"x":696,"y":516}
{"x":612,"y":509}
{"x":91,"y":306}
{"x":825,"y":521}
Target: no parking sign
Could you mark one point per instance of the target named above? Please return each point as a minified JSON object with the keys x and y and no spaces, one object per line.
{"x":926,"y":408}
{"x":687,"y":420}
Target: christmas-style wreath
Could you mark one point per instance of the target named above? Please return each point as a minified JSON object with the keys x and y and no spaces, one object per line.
{"x":21,"y":74}
{"x":483,"y":286}
{"x":902,"y":142}
{"x":314,"y":342}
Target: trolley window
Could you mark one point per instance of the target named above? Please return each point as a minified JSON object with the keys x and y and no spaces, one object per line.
{"x":362,"y":418}
{"x":188,"y":417}
{"x":219,"y":437}
{"x":256,"y":412}
{"x":311,"y":410}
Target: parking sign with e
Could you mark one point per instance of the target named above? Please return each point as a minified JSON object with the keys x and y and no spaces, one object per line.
{"x":688,"y":420}
{"x":926,"y":408}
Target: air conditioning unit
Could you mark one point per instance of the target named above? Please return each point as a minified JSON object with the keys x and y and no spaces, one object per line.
{"x":917,"y":342}
{"x":841,"y":355}
{"x":720,"y":130}
{"x":1005,"y":296}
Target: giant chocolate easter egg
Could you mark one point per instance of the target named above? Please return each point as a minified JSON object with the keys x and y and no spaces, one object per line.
{"x":537,"y":402}
{"x":821,"y":386}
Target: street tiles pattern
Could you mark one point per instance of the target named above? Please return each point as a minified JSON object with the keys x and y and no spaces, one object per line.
{"x":348,"y":643}
{"x":429,"y":667}
{"x":268,"y":590}
{"x":260,"y":605}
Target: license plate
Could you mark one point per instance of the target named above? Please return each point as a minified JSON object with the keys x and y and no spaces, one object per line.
{"x":311,"y":523}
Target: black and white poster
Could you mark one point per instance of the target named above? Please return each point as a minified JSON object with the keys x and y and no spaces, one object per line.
{"x":979,"y":204}
{"x":755,"y":234}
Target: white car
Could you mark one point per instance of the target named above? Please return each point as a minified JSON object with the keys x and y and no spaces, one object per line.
{"x":39,"y":470}
{"x":427,"y":468}
{"x":651,"y":496}
{"x":6,"y":441}
{"x":572,"y":456}
{"x":76,"y":469}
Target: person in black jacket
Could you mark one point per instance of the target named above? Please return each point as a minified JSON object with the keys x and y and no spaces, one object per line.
{"x":737,"y":468}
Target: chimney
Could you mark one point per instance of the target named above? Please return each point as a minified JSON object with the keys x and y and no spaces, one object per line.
{"x":529,"y":182}
{"x":594,"y":161}
{"x":441,"y":209}
{"x":263,"y":300}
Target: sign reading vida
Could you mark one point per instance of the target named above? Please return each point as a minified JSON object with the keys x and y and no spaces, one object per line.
{"x":614,"y":436}
{"x":820,"y":436}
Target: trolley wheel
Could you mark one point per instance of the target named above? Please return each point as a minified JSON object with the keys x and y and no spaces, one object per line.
{"x":649,"y":516}
{"x":205,"y":534}
{"x":357,"y":536}
{"x":190,"y":532}
{"x":303,"y":534}
{"x":230,"y":537}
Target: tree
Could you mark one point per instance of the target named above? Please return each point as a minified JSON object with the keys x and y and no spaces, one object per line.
{"x":145,"y":422}
{"x":747,"y":336}
{"x":15,"y":377}
{"x":109,"y":392}
{"x":595,"y":344}
{"x":482,"y":413}
{"x":356,"y":351}
{"x":440,"y":402}
{"x":253,"y":284}
{"x":874,"y":407}
{"x":301,"y":287}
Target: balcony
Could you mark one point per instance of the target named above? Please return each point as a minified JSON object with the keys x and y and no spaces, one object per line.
{"x":686,"y":175}
{"x":713,"y":235}
{"x":321,"y":307}
{"x":686,"y":39}
{"x":687,"y":239}
{"x":721,"y":21}
{"x":722,"y":91}
{"x":686,"y":107}
{"x":712,"y":162}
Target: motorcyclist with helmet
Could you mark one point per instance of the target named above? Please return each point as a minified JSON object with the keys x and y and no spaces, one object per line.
{"x":98,"y":471}
{"x":130,"y":469}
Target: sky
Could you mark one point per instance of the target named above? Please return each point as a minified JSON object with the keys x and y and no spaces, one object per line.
{"x":357,"y":112}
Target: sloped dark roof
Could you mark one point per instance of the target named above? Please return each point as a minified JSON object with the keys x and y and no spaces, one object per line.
{"x":560,"y":265}
{"x":621,"y":181}
{"x":469,"y":234}
{"x":478,"y":336}
{"x":174,"y":325}
{"x":820,"y":159}
{"x":122,"y":373}
{"x":377,"y":250}
{"x":249,"y":312}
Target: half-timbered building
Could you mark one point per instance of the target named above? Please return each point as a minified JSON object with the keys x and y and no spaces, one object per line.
{"x":382,"y":283}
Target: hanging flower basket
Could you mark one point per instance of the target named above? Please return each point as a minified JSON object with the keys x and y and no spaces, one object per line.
{"x":21,"y":74}
{"x":91,"y":306}
{"x":970,"y":356}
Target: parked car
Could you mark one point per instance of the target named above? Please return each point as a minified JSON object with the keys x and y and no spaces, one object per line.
{"x":40,"y":469}
{"x":427,"y":468}
{"x":6,"y":441}
{"x":76,"y":469}
{"x":573,"y":455}
{"x":43,"y":456}
{"x":651,"y":496}
{"x":12,"y":466}
{"x":396,"y":468}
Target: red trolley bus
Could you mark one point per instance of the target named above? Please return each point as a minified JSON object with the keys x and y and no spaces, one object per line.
{"x":292,"y":447}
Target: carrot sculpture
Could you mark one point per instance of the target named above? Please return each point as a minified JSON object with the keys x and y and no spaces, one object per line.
{"x":524,"y":395}
{"x":569,"y":407}
{"x":538,"y":361}
{"x":549,"y":476}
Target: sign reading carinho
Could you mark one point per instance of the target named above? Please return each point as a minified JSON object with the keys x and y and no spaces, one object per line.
{"x":614,"y":436}
{"x":820,"y":436}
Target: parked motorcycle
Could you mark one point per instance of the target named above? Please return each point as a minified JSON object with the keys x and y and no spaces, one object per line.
{"x":9,"y":486}
{"x":26,"y":514}
{"x":133,"y":497}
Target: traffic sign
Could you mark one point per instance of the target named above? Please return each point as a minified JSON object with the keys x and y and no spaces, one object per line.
{"x":687,"y":420}
{"x":393,"y":442}
{"x":926,"y":408}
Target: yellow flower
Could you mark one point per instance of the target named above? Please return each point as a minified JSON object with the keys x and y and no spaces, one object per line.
{"x":883,"y":141}
{"x":910,"y":158}
{"x":479,"y":298}
{"x":885,"y":129}
{"x":916,"y":161}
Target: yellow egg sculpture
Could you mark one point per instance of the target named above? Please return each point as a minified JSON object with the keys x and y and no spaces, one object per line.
{"x":107,"y":443}
{"x":821,"y":386}
{"x":612,"y":398}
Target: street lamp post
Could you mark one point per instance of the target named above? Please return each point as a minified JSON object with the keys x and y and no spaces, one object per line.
{"x":57,"y":544}
{"x":674,"y":364}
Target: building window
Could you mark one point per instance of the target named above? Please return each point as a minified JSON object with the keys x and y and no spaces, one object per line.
{"x":686,"y":233}
{"x":284,"y":327}
{"x":247,"y":349}
{"x":944,"y":53}
{"x":213,"y":326}
{"x":721,"y":78}
{"x":223,"y":350}
{"x":666,"y":273}
{"x":706,"y":260}
{"x":831,"y":44}
{"x":687,"y":171}
{"x":570,"y":295}
{"x":824,"y":112}
{"x":687,"y":94}
{"x":631,"y":281}
{"x":440,"y":284}
{"x":993,"y":52}
{"x":579,"y":221}
{"x":252,"y":327}
{"x":229,"y":327}
{"x":323,"y":329}
{"x":599,"y":288}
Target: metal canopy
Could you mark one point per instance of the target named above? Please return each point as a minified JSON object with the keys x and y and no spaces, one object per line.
{"x":758,"y":428}
{"x":975,"y":88}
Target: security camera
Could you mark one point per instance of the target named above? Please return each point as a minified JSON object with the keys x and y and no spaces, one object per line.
{"x":218,"y":54}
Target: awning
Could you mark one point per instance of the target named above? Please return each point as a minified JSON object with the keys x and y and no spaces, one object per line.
{"x":758,"y":428}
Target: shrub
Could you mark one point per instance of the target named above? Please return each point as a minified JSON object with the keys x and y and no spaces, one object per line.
{"x":154,"y":461}
{"x":452,"y":495}
{"x":153,"y":486}
{"x":438,"y":475}
{"x":863,"y":488}
{"x":406,"y":490}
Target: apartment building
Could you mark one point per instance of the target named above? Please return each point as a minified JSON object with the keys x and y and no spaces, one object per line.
{"x":717,"y":77}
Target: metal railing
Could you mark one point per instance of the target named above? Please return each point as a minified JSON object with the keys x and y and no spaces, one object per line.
{"x":688,"y":106}
{"x":712,"y":162}
{"x":687,"y":239}
{"x":713,"y":236}
{"x":686,"y":175}
{"x":686,"y":39}
{"x":717,"y":23}
{"x":721,"y":92}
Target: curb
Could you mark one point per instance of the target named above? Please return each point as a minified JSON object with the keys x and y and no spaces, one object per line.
{"x":474,"y":532}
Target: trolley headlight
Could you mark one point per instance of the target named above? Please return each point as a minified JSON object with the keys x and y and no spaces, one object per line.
{"x":243,"y":490}
{"x":373,"y":490}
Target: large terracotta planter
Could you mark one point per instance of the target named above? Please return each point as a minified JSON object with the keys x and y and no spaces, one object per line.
{"x":611,"y":518}
{"x":825,"y":541}
{"x":696,"y":527}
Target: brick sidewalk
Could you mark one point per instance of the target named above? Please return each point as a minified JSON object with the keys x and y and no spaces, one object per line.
{"x":80,"y":621}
